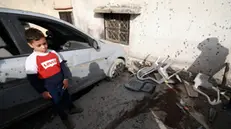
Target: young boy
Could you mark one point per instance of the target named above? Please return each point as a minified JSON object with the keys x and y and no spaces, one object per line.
{"x":48,"y":74}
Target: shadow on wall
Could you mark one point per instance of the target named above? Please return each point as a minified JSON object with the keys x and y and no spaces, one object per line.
{"x":212,"y":58}
{"x":133,"y":16}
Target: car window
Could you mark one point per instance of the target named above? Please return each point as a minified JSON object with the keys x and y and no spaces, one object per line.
{"x":7,"y":47}
{"x":28,"y":25}
{"x":59,"y":37}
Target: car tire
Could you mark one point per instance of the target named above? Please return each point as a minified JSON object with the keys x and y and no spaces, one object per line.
{"x":116,"y":69}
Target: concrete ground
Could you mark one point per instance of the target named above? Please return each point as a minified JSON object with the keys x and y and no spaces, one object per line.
{"x":110,"y":106}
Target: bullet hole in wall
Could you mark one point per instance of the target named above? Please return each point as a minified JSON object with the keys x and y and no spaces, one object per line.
{"x":210,"y":70}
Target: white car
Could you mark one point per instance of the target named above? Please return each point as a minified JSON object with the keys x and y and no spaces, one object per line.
{"x":88,"y":59}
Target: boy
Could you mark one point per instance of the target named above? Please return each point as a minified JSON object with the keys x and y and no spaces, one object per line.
{"x":48,"y":74}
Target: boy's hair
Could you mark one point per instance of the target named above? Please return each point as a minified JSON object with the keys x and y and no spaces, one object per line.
{"x":33,"y":34}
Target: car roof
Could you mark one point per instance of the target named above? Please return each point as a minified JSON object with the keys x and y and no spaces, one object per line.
{"x":30,"y":13}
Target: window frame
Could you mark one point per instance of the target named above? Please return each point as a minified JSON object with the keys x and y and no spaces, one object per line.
{"x":67,"y":12}
{"x":15,"y":29}
{"x":117,"y":17}
{"x":50,"y":21}
{"x":7,"y":20}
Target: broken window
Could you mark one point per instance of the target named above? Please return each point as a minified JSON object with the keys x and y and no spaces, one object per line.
{"x":117,"y":27}
{"x":66,"y":16}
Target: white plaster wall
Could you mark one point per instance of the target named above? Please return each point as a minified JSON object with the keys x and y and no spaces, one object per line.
{"x":178,"y":28}
{"x":41,"y":6}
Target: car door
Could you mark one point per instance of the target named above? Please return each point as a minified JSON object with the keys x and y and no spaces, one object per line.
{"x":76,"y":50}
{"x":99,"y":64}
{"x":17,"y":97}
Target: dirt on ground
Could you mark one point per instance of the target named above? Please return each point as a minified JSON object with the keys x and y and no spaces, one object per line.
{"x":108,"y":105}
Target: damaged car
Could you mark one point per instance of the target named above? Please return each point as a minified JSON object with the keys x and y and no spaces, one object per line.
{"x":88,"y":59}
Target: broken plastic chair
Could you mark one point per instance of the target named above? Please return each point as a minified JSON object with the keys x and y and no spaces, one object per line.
{"x":137,"y":85}
{"x":158,"y":67}
{"x":201,"y":80}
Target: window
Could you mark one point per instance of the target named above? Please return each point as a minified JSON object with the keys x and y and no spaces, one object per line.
{"x":28,"y":25}
{"x":66,"y":16}
{"x":117,"y":27}
{"x":7,"y":46}
{"x":59,"y":37}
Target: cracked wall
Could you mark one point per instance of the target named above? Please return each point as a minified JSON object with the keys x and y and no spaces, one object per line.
{"x":194,"y":33}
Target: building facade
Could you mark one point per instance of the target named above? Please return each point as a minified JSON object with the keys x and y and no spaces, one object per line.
{"x":195,"y":34}
{"x":57,"y":8}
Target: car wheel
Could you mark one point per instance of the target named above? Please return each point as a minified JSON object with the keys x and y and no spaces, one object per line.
{"x":117,"y":68}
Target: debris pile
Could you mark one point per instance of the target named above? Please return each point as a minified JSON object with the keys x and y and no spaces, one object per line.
{"x":148,"y":77}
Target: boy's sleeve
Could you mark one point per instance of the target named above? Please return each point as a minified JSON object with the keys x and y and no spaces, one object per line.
{"x":65,"y":69}
{"x":32,"y":76}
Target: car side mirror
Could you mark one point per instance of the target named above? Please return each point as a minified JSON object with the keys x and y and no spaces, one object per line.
{"x":95,"y":45}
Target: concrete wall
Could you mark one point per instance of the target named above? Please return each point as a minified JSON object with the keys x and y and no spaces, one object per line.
{"x":40,"y":6}
{"x":197,"y":34}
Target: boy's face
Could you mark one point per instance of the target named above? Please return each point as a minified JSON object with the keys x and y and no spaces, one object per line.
{"x":39,"y":45}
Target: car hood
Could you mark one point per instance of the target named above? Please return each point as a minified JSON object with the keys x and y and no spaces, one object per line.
{"x":110,"y":48}
{"x":110,"y":45}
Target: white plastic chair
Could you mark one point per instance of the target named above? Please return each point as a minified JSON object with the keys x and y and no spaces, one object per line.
{"x":159,"y":67}
{"x":201,"y":80}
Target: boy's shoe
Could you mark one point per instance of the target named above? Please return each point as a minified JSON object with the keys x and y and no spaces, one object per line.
{"x":75,"y":109}
{"x":69,"y":124}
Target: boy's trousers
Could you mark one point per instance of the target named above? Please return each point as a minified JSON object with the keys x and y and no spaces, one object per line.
{"x":61,"y":99}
